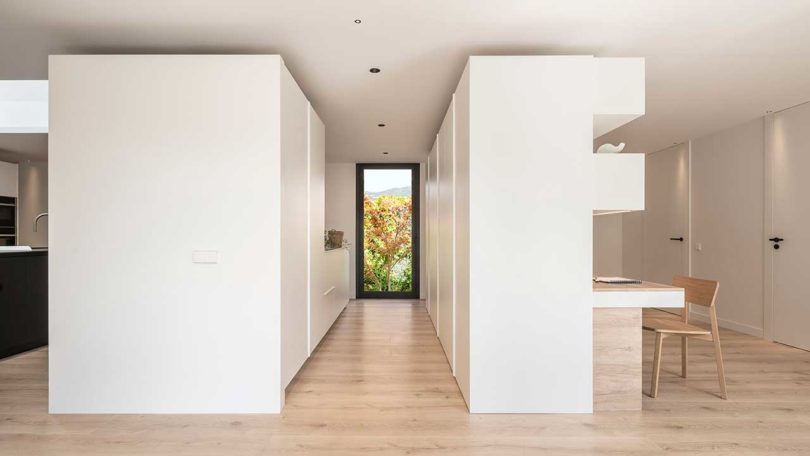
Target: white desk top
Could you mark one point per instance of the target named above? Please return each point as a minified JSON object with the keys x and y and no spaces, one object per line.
{"x":644,"y":294}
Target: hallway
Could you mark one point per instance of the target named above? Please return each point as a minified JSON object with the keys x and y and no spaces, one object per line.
{"x":380,"y":359}
{"x":379,"y":384}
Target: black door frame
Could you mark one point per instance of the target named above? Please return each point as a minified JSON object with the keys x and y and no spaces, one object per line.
{"x":415,"y":235}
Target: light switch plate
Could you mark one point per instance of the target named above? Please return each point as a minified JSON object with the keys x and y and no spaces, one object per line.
{"x":205,"y":256}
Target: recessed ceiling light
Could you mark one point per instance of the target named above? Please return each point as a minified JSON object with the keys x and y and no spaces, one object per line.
{"x":380,"y":125}
{"x":374,"y":70}
{"x":385,"y":153}
{"x":357,"y":21}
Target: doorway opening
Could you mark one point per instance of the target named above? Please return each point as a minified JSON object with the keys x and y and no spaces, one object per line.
{"x":387,"y":226}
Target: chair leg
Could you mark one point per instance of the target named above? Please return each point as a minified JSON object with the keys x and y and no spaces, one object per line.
{"x":659,"y":341}
{"x":721,"y":373}
{"x":684,"y":354}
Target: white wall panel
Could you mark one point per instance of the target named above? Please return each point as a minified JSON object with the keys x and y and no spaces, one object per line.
{"x":141,"y":175}
{"x":432,"y":236}
{"x":531,"y":180}
{"x":295,"y":236}
{"x":329,"y":276}
{"x":445,"y":228}
{"x":727,"y":208}
{"x":461,"y":103}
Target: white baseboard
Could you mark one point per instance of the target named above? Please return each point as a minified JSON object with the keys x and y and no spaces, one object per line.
{"x":729,"y":324}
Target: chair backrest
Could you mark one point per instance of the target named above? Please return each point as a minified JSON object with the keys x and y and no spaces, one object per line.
{"x":697,"y":291}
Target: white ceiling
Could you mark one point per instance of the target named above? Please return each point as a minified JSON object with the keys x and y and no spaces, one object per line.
{"x":710,"y":64}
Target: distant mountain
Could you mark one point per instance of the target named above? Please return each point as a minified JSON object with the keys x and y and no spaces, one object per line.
{"x":398,"y":191}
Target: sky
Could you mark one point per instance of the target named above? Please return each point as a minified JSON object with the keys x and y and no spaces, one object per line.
{"x":376,"y":180}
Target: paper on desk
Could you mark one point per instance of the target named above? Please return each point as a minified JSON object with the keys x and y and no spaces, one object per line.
{"x":615,"y":280}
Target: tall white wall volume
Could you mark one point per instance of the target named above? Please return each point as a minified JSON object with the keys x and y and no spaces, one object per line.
{"x":445,"y":224}
{"x":513,"y":246}
{"x":461,"y":235}
{"x":329,"y":283}
{"x":295,"y":236}
{"x":531,"y":121}
{"x":166,"y":218}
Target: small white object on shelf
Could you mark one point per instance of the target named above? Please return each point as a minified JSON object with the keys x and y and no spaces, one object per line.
{"x":609,"y":148}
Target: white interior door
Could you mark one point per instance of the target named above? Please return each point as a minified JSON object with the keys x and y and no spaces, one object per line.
{"x":666,"y":215}
{"x":790,"y":220}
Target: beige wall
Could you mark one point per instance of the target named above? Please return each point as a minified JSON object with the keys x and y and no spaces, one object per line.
{"x":727,"y":215}
{"x":33,"y":200}
{"x":340,"y":210}
{"x":607,"y":245}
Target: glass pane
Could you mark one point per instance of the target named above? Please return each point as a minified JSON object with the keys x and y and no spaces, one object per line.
{"x":387,"y":215}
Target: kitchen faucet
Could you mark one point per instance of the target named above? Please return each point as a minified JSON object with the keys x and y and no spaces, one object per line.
{"x":36,"y":219}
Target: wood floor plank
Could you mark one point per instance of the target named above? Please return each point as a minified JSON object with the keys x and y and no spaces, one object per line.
{"x":379,"y":384}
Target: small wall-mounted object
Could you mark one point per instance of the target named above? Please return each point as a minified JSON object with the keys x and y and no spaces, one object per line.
{"x":205,"y":256}
{"x":618,"y":183}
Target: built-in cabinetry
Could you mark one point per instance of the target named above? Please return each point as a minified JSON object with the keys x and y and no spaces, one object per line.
{"x":511,"y":196}
{"x":23,"y":301}
{"x":217,"y":157}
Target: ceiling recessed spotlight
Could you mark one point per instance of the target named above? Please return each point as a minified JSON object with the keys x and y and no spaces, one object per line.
{"x":385,"y":153}
{"x":380,"y":125}
{"x":357,"y":21}
{"x":374,"y":70}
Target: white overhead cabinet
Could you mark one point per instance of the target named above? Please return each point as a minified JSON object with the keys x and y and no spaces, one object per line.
{"x":154,"y":159}
{"x":24,"y":106}
{"x":618,"y":183}
{"x":515,"y":196}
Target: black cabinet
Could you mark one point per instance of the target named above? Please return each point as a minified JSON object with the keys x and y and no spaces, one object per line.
{"x":23,"y":301}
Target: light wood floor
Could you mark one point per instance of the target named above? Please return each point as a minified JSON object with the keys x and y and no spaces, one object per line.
{"x":379,"y":384}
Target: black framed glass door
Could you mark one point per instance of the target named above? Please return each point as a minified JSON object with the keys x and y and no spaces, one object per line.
{"x":387,"y":226}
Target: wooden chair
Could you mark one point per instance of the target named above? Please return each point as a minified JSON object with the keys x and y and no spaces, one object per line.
{"x":700,"y":292}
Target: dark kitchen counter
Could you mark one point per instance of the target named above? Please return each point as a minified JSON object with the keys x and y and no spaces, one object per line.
{"x":23,"y":301}
{"x":33,"y":252}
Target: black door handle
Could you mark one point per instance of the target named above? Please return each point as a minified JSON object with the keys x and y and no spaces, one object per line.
{"x":677,"y":239}
{"x":776,"y":239}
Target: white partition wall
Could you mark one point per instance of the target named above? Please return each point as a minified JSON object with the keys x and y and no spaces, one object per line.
{"x":531,"y":177}
{"x":461,"y":234}
{"x":295,"y":227}
{"x":166,"y":225}
{"x":444,"y":228}
{"x":515,"y":187}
